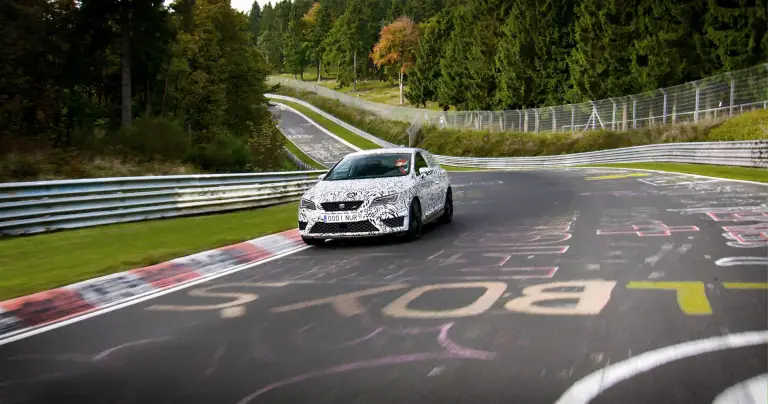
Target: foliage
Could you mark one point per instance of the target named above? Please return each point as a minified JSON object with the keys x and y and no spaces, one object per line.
{"x":494,"y":54}
{"x":396,"y":45}
{"x":193,"y":79}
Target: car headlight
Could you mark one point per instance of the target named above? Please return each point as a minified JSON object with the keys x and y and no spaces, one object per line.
{"x":384,"y":200}
{"x":307,"y":204}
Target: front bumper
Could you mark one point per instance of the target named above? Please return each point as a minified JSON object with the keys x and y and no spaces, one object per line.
{"x":370,"y":223}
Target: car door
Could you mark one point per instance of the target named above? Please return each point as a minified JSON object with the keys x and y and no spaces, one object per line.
{"x":441,"y":177}
{"x":426,"y":184}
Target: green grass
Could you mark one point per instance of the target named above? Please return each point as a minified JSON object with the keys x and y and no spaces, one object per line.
{"x":736,"y":173}
{"x":303,"y":156}
{"x":35,"y":263}
{"x":337,"y":130}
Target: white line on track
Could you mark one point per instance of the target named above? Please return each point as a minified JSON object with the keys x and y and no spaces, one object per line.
{"x":589,"y":387}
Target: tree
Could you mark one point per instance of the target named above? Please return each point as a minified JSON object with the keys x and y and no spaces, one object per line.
{"x":667,"y":48}
{"x":467,"y":71}
{"x":737,"y":29}
{"x":423,"y":77}
{"x":397,"y":48}
{"x":318,"y":23}
{"x":254,"y":18}
{"x":531,"y":59}
{"x":600,"y":63}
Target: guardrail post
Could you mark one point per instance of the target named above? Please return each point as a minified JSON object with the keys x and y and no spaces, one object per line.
{"x":664,"y":107}
{"x":573,"y":118}
{"x":696,"y":106}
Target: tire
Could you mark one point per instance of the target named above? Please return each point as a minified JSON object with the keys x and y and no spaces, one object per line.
{"x":447,"y":216}
{"x":415,"y":223}
{"x":312,"y":241}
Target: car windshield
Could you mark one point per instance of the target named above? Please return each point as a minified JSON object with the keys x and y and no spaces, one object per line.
{"x":371,"y":166}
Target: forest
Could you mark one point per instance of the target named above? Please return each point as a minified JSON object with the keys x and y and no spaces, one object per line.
{"x":181,"y":81}
{"x":510,"y":54}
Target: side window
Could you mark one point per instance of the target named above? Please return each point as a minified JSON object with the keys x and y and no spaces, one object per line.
{"x":420,"y":162}
{"x":430,"y":160}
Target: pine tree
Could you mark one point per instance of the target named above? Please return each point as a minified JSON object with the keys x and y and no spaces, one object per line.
{"x":423,"y":78}
{"x":600,"y":63}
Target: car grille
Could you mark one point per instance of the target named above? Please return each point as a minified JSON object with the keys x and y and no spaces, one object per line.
{"x":341,"y":206}
{"x":302,"y":225}
{"x":348,"y":227}
{"x":394,"y":221}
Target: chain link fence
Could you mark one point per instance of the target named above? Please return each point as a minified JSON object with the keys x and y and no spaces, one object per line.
{"x":715,"y":97}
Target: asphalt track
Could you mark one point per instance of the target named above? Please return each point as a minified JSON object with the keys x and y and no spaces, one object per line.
{"x":318,"y":145}
{"x":635,"y":263}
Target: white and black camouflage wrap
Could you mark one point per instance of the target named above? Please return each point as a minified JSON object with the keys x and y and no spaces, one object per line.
{"x":430,"y":190}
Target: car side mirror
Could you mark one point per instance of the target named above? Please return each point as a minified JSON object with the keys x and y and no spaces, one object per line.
{"x":424,"y":170}
{"x":320,"y":178}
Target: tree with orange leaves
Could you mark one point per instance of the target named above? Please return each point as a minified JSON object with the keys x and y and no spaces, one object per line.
{"x":397,"y":47}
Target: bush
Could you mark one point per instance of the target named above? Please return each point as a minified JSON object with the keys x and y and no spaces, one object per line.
{"x":225,"y":153}
{"x":154,"y":138}
{"x":749,"y":126}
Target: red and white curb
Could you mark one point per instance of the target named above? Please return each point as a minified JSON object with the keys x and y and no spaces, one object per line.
{"x":25,"y":314}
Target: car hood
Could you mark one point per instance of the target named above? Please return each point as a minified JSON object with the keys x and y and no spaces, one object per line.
{"x":357,"y":190}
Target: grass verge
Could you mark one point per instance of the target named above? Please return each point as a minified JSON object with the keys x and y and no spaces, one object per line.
{"x":303,"y":156}
{"x":735,"y":173}
{"x":334,"y":128}
{"x":35,"y":263}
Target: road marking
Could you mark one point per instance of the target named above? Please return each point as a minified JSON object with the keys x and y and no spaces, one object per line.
{"x":691,"y":296}
{"x":399,"y":307}
{"x":232,"y":312}
{"x":616,"y":176}
{"x":144,"y":297}
{"x":590,"y":301}
{"x":240,"y":298}
{"x":750,"y":391}
{"x":745,"y":285}
{"x":346,"y":305}
{"x":589,"y":387}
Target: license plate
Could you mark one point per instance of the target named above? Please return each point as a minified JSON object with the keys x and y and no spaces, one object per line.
{"x":340,"y":218}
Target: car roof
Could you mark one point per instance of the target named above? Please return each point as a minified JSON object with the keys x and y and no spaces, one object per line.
{"x":386,"y":150}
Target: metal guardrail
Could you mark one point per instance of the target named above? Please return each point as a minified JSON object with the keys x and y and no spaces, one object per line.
{"x":35,"y":207}
{"x":743,"y":154}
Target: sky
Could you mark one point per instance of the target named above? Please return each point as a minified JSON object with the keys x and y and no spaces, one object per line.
{"x":245,"y":5}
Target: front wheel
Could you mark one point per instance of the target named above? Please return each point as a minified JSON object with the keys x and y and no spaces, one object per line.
{"x":312,"y":241}
{"x":414,"y":222}
{"x":447,"y":216}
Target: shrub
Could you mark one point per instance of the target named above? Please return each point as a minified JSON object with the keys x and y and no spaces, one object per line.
{"x":153,"y":138}
{"x":225,"y":153}
{"x":749,"y":126}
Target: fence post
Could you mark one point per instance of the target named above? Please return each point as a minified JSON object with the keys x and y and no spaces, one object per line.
{"x":554,"y":119}
{"x":664,"y":107}
{"x":696,"y":106}
{"x":613,"y":114}
{"x":634,"y":111}
{"x":573,"y":118}
{"x":732,"y":95}
{"x":536,"y":119}
{"x":519,"y":120}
